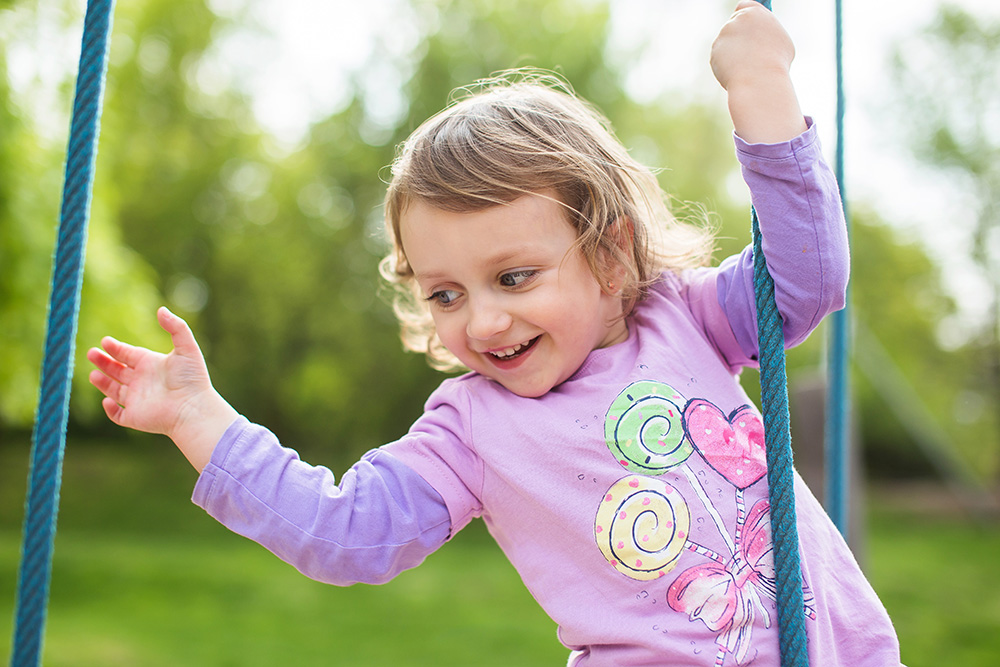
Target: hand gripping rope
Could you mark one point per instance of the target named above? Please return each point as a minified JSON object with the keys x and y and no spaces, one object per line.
{"x":49,"y":437}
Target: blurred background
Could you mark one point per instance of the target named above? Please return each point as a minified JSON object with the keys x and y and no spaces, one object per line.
{"x":243,"y":151}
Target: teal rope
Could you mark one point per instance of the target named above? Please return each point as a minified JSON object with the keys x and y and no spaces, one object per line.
{"x":837,"y":434}
{"x":780,"y":471}
{"x":49,"y":436}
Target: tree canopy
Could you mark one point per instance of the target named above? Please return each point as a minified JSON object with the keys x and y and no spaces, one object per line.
{"x":270,"y":250}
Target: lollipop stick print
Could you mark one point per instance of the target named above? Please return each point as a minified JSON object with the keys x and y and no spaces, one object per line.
{"x":710,"y":508}
{"x":741,"y":514}
{"x":704,"y":551}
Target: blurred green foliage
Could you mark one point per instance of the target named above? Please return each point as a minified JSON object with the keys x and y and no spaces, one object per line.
{"x":270,"y":251}
{"x":949,"y":71}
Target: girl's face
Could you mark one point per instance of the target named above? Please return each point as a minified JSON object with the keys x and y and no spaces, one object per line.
{"x":511,"y":296}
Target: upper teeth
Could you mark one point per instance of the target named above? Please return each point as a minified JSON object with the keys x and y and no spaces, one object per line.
{"x":510,"y":351}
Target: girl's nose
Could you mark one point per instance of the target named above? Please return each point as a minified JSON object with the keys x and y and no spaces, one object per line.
{"x":487,"y":319}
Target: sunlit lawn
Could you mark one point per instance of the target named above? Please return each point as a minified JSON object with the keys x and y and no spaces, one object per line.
{"x":939,"y":576}
{"x":142,"y":577}
{"x":118,"y":600}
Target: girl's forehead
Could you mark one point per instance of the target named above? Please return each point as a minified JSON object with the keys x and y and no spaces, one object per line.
{"x":531,"y":207}
{"x":533,"y":224}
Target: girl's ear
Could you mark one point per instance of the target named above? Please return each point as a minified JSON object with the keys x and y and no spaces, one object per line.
{"x":622,"y":231}
{"x":616,"y":258}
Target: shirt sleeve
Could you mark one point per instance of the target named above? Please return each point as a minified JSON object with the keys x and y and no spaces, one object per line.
{"x":438,"y":446}
{"x":382,"y":518}
{"x":801,"y":218}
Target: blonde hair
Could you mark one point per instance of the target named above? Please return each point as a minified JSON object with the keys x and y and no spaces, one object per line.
{"x":524,"y":132}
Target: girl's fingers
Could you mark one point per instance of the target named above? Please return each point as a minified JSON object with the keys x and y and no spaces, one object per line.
{"x":99,"y":357}
{"x":100,"y":380}
{"x":107,"y":364}
{"x":123,"y":353}
{"x":113,"y":410}
{"x":107,"y":385}
{"x":180,"y":332}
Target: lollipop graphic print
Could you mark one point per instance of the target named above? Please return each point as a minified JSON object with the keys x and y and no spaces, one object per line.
{"x":642,"y":523}
{"x":644,"y":429}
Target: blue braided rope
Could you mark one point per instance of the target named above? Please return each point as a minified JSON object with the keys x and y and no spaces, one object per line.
{"x":49,"y":436}
{"x":780,"y":477}
{"x":837,"y":434}
{"x":780,"y":473}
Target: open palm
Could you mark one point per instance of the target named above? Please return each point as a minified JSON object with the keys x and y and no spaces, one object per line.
{"x":150,"y":391}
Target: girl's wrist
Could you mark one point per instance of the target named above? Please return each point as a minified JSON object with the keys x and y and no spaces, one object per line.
{"x":765,"y":109}
{"x":197,"y":433}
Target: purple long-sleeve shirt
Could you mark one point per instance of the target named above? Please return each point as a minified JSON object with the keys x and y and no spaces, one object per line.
{"x":632,"y":498}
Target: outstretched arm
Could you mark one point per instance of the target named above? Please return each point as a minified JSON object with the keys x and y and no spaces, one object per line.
{"x":170,"y":393}
{"x":751,"y":58}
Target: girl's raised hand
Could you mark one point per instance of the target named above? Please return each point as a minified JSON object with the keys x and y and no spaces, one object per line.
{"x":170,"y":393}
{"x":751,"y":58}
{"x":750,"y":44}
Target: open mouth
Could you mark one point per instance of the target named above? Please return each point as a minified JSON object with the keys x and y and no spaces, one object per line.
{"x":515,"y":351}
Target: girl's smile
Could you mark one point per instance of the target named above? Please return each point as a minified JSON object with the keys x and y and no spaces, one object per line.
{"x":516,"y":352}
{"x":511,"y":295}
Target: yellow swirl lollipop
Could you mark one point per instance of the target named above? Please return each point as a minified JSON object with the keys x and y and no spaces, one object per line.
{"x":642,"y":525}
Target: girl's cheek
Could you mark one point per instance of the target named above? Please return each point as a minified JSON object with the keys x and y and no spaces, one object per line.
{"x":450,"y":333}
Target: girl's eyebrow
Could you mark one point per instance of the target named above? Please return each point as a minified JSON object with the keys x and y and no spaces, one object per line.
{"x":506,"y":255}
{"x":499,"y":258}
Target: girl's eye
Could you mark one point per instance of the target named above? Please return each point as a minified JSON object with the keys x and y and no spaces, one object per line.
{"x":515,"y":278}
{"x":444,"y":297}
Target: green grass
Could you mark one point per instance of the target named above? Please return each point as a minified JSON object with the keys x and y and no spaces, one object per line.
{"x":219,"y":601}
{"x":939,"y":577}
{"x":142,"y":577}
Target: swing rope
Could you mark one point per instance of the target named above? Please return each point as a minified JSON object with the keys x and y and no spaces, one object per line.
{"x":780,"y":471}
{"x":838,"y":407}
{"x":777,"y":431}
{"x":780,"y":474}
{"x":49,"y":436}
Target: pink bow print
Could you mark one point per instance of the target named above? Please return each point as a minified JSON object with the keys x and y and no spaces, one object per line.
{"x":726,"y":596}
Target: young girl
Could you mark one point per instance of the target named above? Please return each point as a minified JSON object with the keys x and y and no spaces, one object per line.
{"x":601,"y":433}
